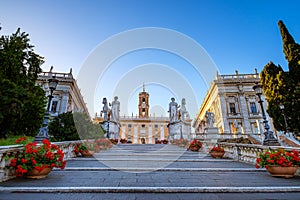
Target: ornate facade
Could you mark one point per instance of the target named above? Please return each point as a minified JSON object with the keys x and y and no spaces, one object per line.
{"x":235,"y":105}
{"x":142,"y":128}
{"x":66,"y":97}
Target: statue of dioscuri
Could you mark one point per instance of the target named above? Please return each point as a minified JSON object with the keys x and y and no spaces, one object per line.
{"x":183,"y":112}
{"x":105,"y":110}
{"x":173,"y":110}
{"x":210,"y":119}
{"x":115,"y":110}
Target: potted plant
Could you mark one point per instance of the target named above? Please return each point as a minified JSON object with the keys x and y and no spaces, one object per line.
{"x":195,"y":145}
{"x":103,"y":143}
{"x":217,"y":152}
{"x":157,"y":142}
{"x":114,"y":141}
{"x":279,"y":162}
{"x":88,"y":148}
{"x":165,"y":141}
{"x":37,"y":160}
{"x":123,"y":140}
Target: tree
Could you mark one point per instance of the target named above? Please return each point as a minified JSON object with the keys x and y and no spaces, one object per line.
{"x":284,"y":87}
{"x":73,"y":126}
{"x":22,"y":102}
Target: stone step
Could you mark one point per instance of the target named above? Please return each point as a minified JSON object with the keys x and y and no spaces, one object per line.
{"x":265,"y":189}
{"x":162,"y":169}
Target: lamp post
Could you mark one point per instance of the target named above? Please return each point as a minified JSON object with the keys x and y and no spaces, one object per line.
{"x":281,"y":106}
{"x":43,"y":132}
{"x":269,"y":140}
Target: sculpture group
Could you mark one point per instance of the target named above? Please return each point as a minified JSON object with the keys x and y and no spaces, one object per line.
{"x":111,"y":117}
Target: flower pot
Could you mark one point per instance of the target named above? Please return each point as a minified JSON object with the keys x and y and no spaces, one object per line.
{"x":87,"y":153}
{"x":194,"y":148}
{"x":279,"y":171}
{"x":35,"y":174}
{"x":217,"y":154}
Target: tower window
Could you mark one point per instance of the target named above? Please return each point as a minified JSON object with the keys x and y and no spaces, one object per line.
{"x":143,"y":125}
{"x":144,"y":100}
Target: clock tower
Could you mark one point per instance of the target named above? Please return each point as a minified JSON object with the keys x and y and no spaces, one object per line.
{"x":143,"y":104}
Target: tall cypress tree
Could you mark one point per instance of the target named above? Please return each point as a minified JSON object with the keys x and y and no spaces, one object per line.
{"x":284,"y":87}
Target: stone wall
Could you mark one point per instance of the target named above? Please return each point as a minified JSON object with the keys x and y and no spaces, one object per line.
{"x":7,"y":152}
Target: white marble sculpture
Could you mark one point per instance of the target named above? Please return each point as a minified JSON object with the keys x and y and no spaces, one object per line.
{"x":115,"y":110}
{"x":173,"y":110}
{"x":105,"y":110}
{"x":210,"y":119}
{"x":183,"y":111}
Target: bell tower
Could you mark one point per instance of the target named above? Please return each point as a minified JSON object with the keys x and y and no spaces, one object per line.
{"x":143,"y":104}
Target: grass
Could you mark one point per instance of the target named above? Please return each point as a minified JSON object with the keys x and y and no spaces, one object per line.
{"x":11,"y":140}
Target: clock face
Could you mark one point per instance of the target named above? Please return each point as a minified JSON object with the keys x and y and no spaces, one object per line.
{"x":143,"y":105}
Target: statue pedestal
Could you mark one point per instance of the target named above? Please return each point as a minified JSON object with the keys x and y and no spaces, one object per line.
{"x":179,"y":130}
{"x":112,"y":129}
{"x":211,"y":136}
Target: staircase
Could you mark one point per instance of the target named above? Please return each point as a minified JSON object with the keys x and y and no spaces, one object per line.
{"x":153,"y":172}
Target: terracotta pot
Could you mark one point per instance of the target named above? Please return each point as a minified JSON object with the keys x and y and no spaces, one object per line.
{"x":216,"y":154}
{"x":194,"y":148}
{"x":35,"y":174}
{"x":87,"y":153}
{"x":286,"y":172}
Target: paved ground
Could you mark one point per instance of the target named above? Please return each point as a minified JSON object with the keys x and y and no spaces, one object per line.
{"x":153,"y":172}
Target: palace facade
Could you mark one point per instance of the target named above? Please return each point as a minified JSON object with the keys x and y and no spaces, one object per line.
{"x":235,"y":105}
{"x":66,"y":97}
{"x":142,"y":128}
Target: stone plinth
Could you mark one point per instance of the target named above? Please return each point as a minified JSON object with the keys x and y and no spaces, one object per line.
{"x":211,"y":137}
{"x":178,"y":130}
{"x":112,"y":129}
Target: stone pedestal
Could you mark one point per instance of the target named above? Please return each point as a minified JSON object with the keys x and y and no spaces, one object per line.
{"x":112,"y":129}
{"x":179,"y":130}
{"x":211,"y":137}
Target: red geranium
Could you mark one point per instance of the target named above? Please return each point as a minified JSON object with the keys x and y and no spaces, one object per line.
{"x":278,"y":157}
{"x":217,"y":149}
{"x":38,"y":157}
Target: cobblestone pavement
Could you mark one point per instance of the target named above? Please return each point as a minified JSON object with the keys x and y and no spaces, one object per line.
{"x":153,"y":172}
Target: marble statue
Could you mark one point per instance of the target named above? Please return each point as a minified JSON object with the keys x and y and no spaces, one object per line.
{"x":105,"y":110}
{"x":173,"y":110}
{"x":115,"y":110}
{"x":210,"y":119}
{"x":183,"y":111}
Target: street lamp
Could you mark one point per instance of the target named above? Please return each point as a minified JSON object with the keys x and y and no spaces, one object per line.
{"x":43,"y":132}
{"x":269,"y":140}
{"x":281,"y":106}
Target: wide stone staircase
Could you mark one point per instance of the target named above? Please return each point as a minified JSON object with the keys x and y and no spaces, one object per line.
{"x":153,"y":172}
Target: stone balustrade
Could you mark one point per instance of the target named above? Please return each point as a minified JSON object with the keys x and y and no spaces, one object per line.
{"x":8,"y":152}
{"x":247,"y":152}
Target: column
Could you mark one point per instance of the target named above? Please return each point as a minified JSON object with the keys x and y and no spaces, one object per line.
{"x":64,"y":103}
{"x":244,"y":112}
{"x":162,"y":132}
{"x":150,"y":134}
{"x":223,"y":105}
{"x":135,"y":134}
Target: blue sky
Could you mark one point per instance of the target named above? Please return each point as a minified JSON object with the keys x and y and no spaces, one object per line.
{"x":240,"y":35}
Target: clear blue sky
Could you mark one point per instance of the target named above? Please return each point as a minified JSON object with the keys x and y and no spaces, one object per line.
{"x":240,"y":35}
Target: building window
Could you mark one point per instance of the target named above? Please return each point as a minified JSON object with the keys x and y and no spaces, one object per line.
{"x":253,"y":107}
{"x":255,"y":127}
{"x":156,"y":126}
{"x":232,"y":108}
{"x":143,"y":125}
{"x":54,"y":106}
{"x":129,"y":125}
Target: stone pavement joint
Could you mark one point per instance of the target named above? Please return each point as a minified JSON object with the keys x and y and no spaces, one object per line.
{"x":150,"y":189}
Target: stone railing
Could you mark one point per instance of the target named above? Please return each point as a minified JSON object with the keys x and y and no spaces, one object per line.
{"x":8,"y":152}
{"x":247,"y":152}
